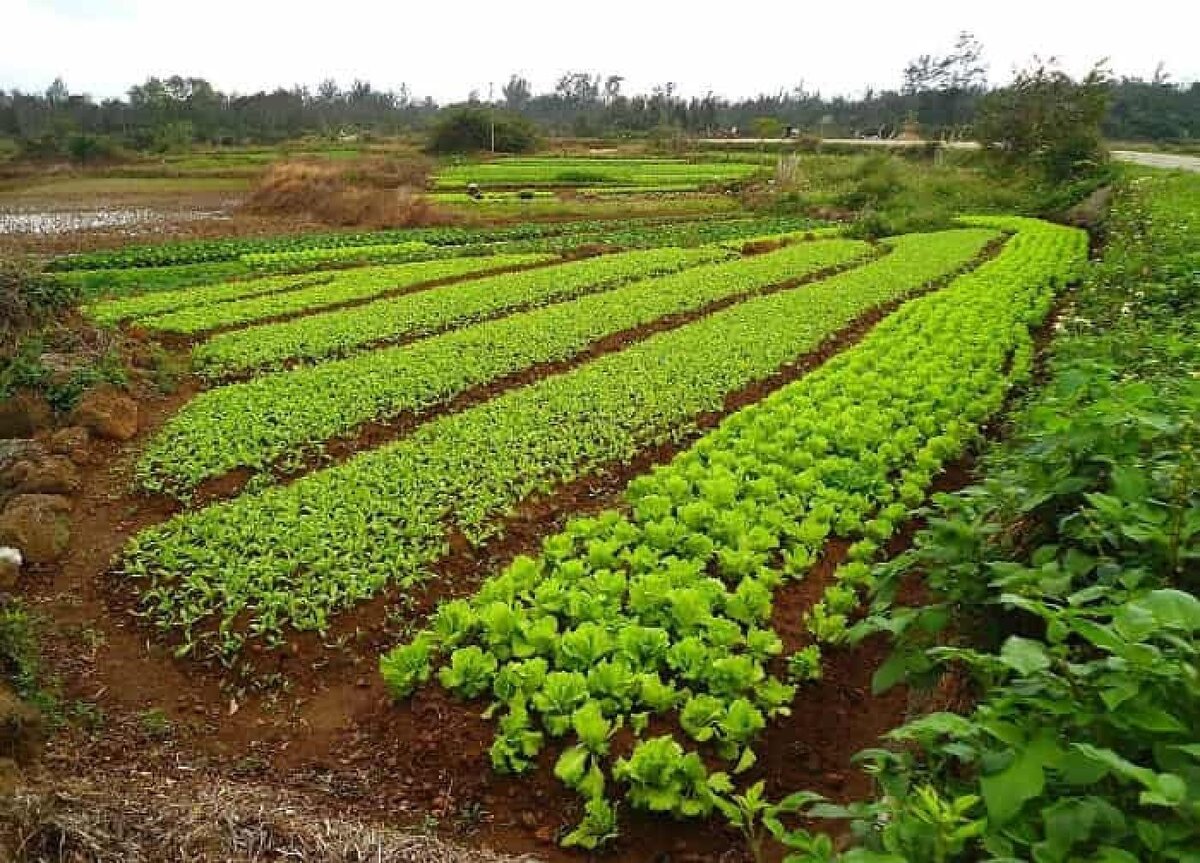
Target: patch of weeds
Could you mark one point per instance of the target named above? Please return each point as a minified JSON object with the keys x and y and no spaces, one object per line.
{"x":470,"y":817}
{"x":29,"y":298}
{"x":156,"y":724}
{"x":250,"y":766}
{"x":64,"y":395}
{"x":88,"y":716}
{"x":22,"y":368}
{"x":21,"y":661}
{"x":93,"y":639}
{"x":166,"y":369}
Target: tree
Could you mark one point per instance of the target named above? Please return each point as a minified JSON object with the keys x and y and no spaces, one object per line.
{"x":327,"y":91}
{"x":1047,"y":119}
{"x":578,"y":88}
{"x":468,"y":129}
{"x":962,"y":69}
{"x":57,"y":93}
{"x":767,"y":127}
{"x":612,"y":88}
{"x":945,"y":88}
{"x":517,"y":92}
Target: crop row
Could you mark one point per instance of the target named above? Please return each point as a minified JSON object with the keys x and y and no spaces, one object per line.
{"x":340,"y":332}
{"x":198,"y":251}
{"x":666,"y":607}
{"x":625,"y":235}
{"x":1078,"y":544}
{"x":293,"y":555}
{"x":346,"y":286}
{"x":345,"y":255}
{"x":634,"y":233}
{"x":115,"y":311}
{"x":255,"y":423}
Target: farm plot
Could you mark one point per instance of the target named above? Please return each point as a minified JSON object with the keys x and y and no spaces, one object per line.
{"x":116,"y":311}
{"x":664,"y":608}
{"x":211,"y":251}
{"x":654,"y":173}
{"x":321,"y":251}
{"x":353,"y":285}
{"x":337,"y":333}
{"x":195,"y":310}
{"x":255,"y":423}
{"x":289,"y":557}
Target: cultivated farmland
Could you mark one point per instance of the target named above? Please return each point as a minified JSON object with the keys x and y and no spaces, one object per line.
{"x":596,"y":536}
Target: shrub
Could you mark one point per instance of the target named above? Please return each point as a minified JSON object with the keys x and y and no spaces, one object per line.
{"x":877,"y":179}
{"x":468,"y":129}
{"x":1047,"y":119}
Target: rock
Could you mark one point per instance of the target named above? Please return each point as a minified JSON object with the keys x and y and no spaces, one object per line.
{"x":24,"y":414}
{"x":15,"y":449}
{"x":108,"y":412}
{"x":1091,"y":211}
{"x":73,"y":443}
{"x":10,"y":778}
{"x":38,"y":525}
{"x":10,"y":567}
{"x":22,"y":728}
{"x":46,"y":474}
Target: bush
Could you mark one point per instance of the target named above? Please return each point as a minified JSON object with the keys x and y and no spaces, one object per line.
{"x":877,"y":179}
{"x":91,"y":148}
{"x":469,"y":129}
{"x":1047,"y":119}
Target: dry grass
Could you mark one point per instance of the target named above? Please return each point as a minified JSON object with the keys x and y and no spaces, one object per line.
{"x":377,"y":193}
{"x":201,"y":821}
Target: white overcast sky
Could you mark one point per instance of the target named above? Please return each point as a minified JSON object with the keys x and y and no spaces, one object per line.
{"x":445,"y":49}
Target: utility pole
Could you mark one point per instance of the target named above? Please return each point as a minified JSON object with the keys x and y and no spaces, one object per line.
{"x":492,"y":114}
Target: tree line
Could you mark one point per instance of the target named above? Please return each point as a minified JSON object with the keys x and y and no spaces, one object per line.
{"x":942,"y":94}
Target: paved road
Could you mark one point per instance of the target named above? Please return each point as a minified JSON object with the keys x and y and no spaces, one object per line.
{"x":854,"y":142}
{"x":1152,"y":160}
{"x":1159,"y":160}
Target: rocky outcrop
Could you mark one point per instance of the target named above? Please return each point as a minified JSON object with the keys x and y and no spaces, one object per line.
{"x":108,"y":412}
{"x":40,"y":474}
{"x":73,"y":443}
{"x":10,"y":567}
{"x":38,"y":525}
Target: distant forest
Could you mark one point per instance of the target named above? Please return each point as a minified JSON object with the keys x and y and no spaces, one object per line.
{"x":940,"y":93}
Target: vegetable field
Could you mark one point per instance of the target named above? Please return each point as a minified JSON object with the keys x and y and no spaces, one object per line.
{"x":648,"y":174}
{"x":620,"y":537}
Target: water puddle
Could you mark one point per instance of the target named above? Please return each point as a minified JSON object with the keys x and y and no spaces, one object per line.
{"x":52,"y":223}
